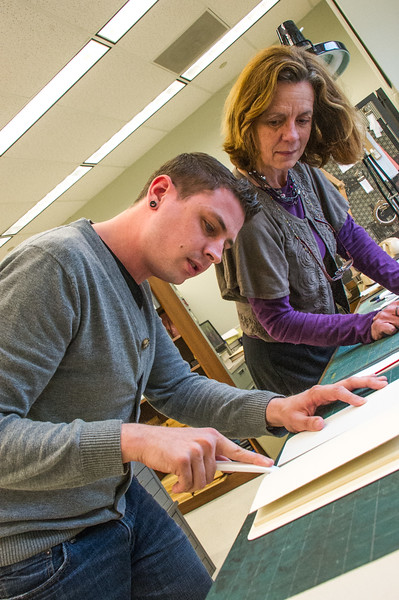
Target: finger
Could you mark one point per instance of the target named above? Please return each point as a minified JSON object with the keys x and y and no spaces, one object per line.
{"x":209,"y":467}
{"x":344,"y":395}
{"x":203,"y":469}
{"x":221,"y":457}
{"x":235,"y":452}
{"x":342,"y":390}
{"x":387,"y":329}
{"x":302,"y":422}
{"x":185,"y":476}
{"x":326,"y":394}
{"x":374,"y":382}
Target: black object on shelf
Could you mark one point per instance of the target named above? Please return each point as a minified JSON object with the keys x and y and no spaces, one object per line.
{"x":334,"y":54}
{"x":384,"y":183}
{"x":213,"y":336}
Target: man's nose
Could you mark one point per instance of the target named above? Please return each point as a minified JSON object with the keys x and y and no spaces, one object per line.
{"x":214,"y":251}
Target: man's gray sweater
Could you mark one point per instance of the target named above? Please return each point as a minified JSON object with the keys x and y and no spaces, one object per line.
{"x":74,"y":365}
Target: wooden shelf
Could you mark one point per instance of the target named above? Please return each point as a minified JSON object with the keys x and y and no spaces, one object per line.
{"x":189,"y":331}
{"x":222,"y":483}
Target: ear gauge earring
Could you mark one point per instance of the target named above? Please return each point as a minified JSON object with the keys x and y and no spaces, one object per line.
{"x":153,"y":203}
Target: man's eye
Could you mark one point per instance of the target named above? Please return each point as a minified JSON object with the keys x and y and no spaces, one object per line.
{"x":209,"y":228}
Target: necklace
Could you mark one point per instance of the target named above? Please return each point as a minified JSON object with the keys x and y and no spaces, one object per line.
{"x":290,"y":196}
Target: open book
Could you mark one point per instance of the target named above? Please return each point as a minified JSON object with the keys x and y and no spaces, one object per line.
{"x":357,"y":446}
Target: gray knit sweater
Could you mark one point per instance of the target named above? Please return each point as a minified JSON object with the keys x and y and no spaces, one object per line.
{"x":73,"y":367}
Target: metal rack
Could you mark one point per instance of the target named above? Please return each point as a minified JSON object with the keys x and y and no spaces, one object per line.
{"x":377,"y":211}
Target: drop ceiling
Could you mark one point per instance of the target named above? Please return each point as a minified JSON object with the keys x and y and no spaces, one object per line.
{"x":39,"y":37}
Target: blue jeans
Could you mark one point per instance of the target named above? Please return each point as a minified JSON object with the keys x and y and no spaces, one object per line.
{"x":144,"y":555}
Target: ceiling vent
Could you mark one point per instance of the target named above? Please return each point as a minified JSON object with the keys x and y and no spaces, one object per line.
{"x":200,"y":36}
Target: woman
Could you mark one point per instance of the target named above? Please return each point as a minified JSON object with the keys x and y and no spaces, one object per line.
{"x":285,"y":116}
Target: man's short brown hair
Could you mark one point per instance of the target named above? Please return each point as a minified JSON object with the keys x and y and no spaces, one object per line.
{"x":196,"y":172}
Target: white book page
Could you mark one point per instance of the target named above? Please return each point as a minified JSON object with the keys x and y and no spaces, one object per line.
{"x":344,"y":420}
{"x":330,"y":455}
{"x":365,"y":469}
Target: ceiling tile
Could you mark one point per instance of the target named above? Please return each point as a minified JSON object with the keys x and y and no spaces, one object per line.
{"x":179,"y":108}
{"x":91,"y":184}
{"x":232,"y":11}
{"x":119,"y":86}
{"x":11,"y":212}
{"x":28,"y":180}
{"x":134,"y":147}
{"x":91,"y":16}
{"x":226,"y":67}
{"x":10,"y":105}
{"x":63,"y":135}
{"x":166,"y":21}
{"x":58,"y":213}
{"x":38,"y":43}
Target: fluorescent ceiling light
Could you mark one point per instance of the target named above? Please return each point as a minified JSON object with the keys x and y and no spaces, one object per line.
{"x":51,"y":93}
{"x":229,"y":38}
{"x":55,"y":193}
{"x":124,"y":19}
{"x":4,"y":240}
{"x":136,"y":122}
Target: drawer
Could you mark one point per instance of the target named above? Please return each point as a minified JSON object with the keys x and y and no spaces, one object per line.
{"x":242,"y":377}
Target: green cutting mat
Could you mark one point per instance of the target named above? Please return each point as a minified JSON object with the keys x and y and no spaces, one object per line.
{"x":349,"y":360}
{"x":346,"y":363}
{"x":337,"y":538}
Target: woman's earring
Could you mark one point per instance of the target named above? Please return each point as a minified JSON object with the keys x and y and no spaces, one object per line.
{"x":153,"y":203}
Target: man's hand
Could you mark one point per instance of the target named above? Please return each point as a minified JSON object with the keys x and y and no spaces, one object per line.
{"x":295,"y":413}
{"x":190,"y":453}
{"x":385,"y":322}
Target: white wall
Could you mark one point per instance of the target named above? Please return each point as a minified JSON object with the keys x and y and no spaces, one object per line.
{"x":201,"y":132}
{"x":359,"y":79}
{"x":377,"y":25}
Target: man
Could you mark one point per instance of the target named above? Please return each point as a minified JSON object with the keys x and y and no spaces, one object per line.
{"x":80,"y":343}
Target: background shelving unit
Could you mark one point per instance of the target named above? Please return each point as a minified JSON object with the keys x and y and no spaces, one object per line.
{"x":202,"y":358}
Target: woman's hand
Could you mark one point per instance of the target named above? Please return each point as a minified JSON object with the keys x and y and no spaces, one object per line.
{"x":386,"y":322}
{"x":296,"y":413}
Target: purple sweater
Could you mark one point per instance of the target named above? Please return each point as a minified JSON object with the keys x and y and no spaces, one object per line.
{"x":285,"y":324}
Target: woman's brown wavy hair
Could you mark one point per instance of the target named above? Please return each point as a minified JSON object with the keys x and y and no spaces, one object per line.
{"x":336,"y":127}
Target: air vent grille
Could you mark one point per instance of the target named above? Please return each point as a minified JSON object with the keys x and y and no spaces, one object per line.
{"x":200,"y":36}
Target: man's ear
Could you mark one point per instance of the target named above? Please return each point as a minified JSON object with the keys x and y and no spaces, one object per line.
{"x":159,"y":188}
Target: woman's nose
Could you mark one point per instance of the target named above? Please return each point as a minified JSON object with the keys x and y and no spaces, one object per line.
{"x":290,"y":131}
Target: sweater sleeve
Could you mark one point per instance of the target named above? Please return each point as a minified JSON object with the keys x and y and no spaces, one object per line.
{"x":201,"y":402}
{"x":367,"y":255}
{"x":287,"y":325}
{"x":40,"y":322}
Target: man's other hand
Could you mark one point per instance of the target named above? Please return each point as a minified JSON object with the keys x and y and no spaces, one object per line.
{"x":296,"y":413}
